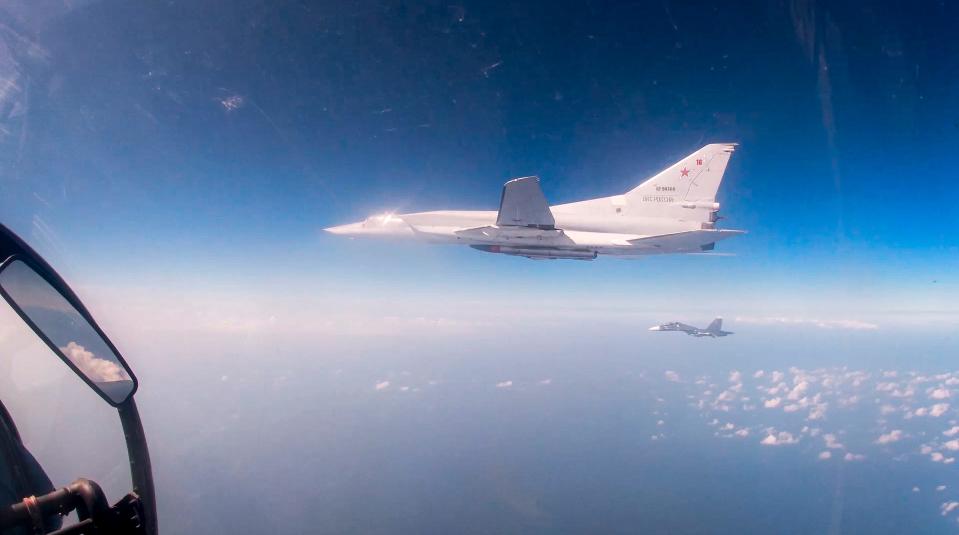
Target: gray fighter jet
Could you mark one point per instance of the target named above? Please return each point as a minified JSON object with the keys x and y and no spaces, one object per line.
{"x":714,"y":330}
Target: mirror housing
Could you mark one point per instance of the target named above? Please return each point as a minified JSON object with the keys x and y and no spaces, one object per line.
{"x":69,"y":333}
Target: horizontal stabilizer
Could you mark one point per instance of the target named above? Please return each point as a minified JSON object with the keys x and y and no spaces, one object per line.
{"x":692,"y":240}
{"x":524,"y":205}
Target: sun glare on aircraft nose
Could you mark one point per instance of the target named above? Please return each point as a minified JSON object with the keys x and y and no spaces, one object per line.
{"x":341,"y":229}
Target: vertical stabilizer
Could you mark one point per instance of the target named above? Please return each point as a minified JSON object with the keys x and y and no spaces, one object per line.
{"x":716,"y":325}
{"x":685,"y":190}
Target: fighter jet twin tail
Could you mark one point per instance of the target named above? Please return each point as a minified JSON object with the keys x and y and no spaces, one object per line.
{"x":672,"y":212}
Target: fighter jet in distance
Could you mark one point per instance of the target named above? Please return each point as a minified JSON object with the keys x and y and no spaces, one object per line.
{"x":675,"y":211}
{"x":714,"y":330}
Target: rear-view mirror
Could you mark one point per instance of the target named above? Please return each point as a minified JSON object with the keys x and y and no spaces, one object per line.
{"x":67,"y":331}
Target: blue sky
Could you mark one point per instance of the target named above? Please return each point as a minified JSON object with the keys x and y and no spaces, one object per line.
{"x":205,"y":146}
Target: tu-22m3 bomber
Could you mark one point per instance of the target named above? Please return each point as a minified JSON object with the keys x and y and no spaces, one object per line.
{"x":674,"y":212}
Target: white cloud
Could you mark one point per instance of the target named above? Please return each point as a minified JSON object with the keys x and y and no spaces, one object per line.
{"x":938,"y":409}
{"x":546,"y":381}
{"x":798,"y":391}
{"x":772,"y":403}
{"x":940,"y":488}
{"x":906,"y":393}
{"x":735,"y":376}
{"x":818,"y":412}
{"x":382,"y":385}
{"x":952,"y":445}
{"x":671,"y":376}
{"x":948,"y":507}
{"x":936,"y":457}
{"x":940,"y":393}
{"x":504,"y":384}
{"x":825,"y":455}
{"x":853,"y":457}
{"x":886,"y":387}
{"x":831,"y":442}
{"x":778,"y":439}
{"x":952,"y":431}
{"x":742,"y":432}
{"x":95,"y":368}
{"x":759,"y":374}
{"x":893,"y":436}
{"x":848,"y":401}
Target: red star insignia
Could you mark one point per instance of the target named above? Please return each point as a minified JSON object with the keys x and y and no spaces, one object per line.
{"x":684,"y":172}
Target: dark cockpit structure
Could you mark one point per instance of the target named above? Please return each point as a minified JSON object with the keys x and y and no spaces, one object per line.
{"x":29,"y":501}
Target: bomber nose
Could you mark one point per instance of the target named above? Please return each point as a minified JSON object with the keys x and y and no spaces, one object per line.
{"x":343,"y":229}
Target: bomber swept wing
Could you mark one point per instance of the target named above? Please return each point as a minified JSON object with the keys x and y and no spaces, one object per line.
{"x":525,"y":227}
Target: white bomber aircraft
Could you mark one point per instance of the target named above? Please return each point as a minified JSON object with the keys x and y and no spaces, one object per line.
{"x":672,"y":212}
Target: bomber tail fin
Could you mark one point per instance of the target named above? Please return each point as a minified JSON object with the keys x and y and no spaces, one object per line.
{"x":694,"y":178}
{"x":690,"y":184}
